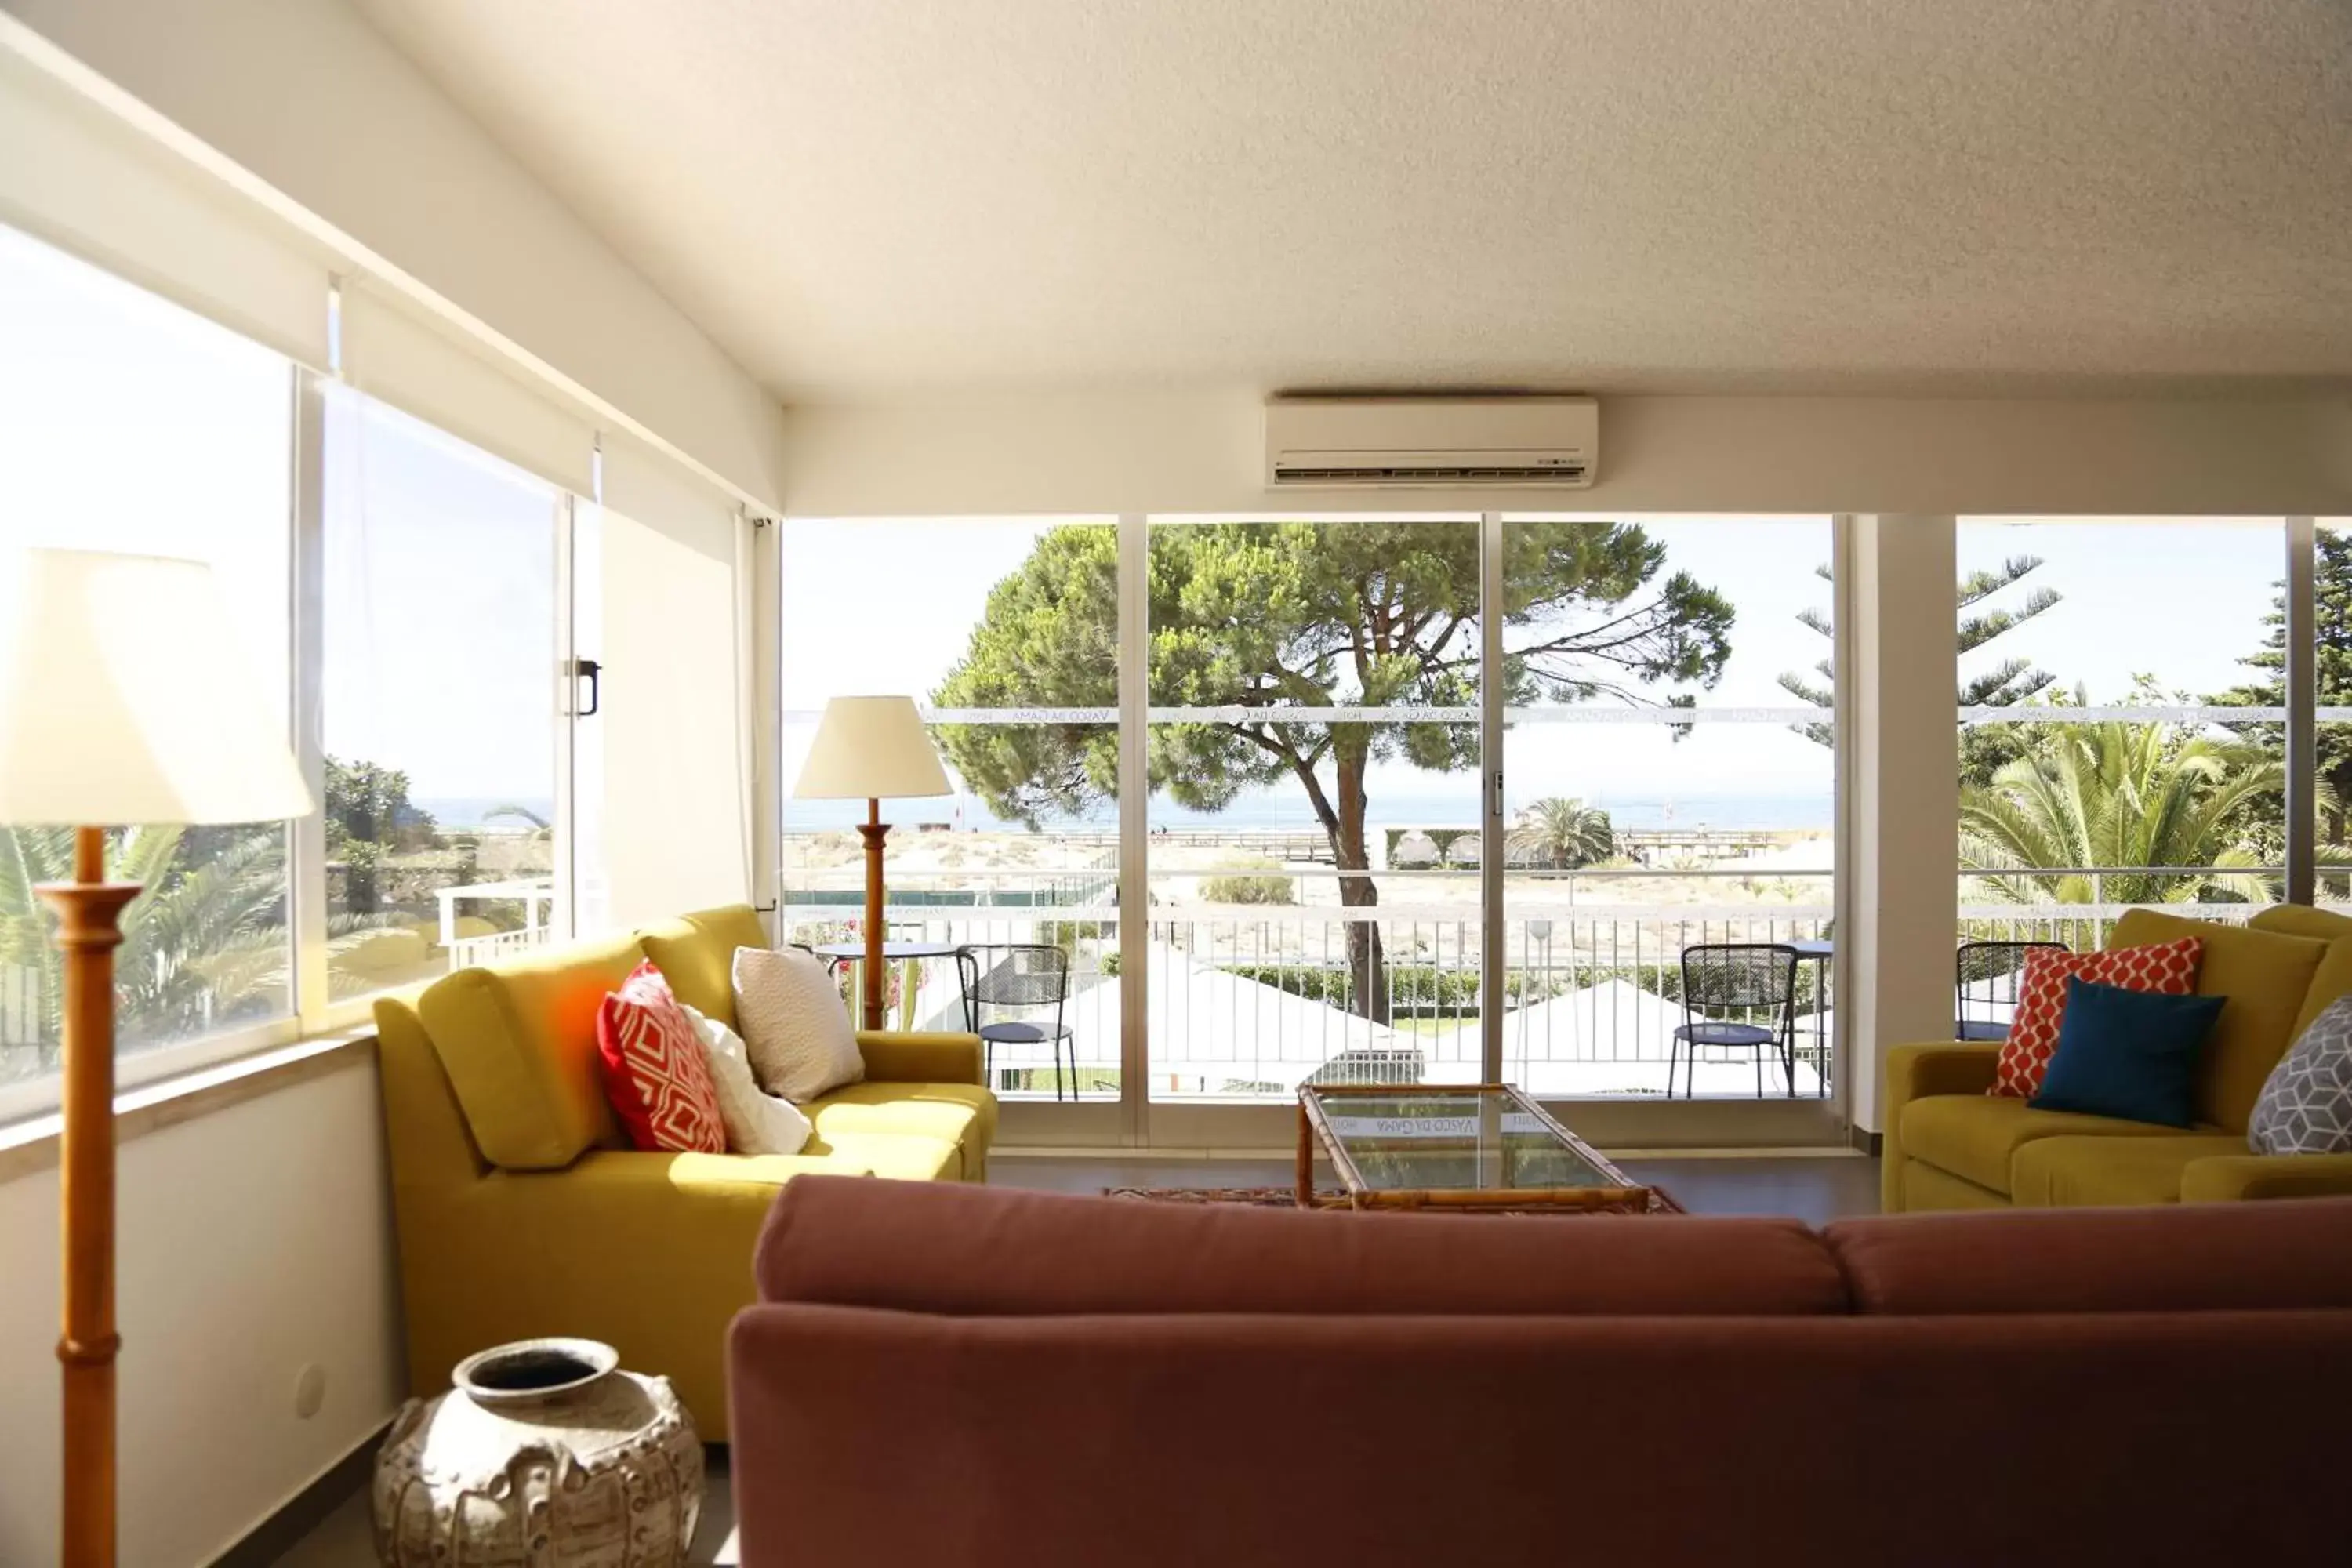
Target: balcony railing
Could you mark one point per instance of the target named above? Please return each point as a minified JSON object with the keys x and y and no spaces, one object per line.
{"x":537,"y":895}
{"x":1252,"y":1000}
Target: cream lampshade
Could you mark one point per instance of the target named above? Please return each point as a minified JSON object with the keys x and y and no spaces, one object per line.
{"x":123,"y":701}
{"x":869,"y":748}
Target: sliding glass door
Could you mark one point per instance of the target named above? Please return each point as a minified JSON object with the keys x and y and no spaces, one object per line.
{"x":1319,"y":880}
{"x":1002,"y":895}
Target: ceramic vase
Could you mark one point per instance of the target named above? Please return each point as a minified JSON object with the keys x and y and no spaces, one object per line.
{"x":544,"y":1455}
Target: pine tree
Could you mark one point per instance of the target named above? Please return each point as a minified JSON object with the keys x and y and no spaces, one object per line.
{"x":2332,"y":584}
{"x":1983,"y":749}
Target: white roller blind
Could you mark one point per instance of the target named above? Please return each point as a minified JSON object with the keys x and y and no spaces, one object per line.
{"x":394,"y":352}
{"x":675,"y":748}
{"x":80,"y":178}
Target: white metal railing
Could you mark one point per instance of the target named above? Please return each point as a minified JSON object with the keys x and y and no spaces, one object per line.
{"x":1252,"y":999}
{"x":537,"y":895}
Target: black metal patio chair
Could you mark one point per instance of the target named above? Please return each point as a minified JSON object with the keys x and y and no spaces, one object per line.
{"x":1740,"y":996}
{"x":1024,"y":977}
{"x":1986,"y":975}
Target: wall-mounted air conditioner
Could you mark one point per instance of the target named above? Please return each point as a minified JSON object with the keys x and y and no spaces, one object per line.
{"x":1347,"y":443}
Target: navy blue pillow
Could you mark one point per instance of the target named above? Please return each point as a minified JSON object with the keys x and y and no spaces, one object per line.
{"x":2127,"y":1053}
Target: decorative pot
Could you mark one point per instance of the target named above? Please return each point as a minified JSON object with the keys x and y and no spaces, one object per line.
{"x":543,"y":1456}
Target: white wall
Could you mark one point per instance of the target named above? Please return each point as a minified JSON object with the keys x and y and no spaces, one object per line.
{"x":1205,"y":453}
{"x":254,"y":1242}
{"x":307,"y":96}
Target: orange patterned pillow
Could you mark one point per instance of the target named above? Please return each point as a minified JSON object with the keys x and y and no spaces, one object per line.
{"x":655,"y":1072}
{"x":2166,"y":968}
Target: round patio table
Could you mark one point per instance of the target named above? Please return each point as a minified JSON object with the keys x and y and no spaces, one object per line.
{"x":840,"y":952}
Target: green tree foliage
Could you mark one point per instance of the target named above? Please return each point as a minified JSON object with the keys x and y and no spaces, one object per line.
{"x":2117,"y":794}
{"x":1983,"y":748}
{"x":1248,"y":881}
{"x":205,"y":943}
{"x":1563,"y":835}
{"x":202,"y":944}
{"x":2332,"y":585}
{"x":1275,"y":618}
{"x":368,"y":819}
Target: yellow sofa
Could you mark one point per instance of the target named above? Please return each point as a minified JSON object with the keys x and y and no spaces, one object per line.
{"x":521,"y":1208}
{"x":1949,"y":1145}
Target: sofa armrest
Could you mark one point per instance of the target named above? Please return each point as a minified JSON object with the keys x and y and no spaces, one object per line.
{"x":1915,"y":1072}
{"x":912,"y":1057}
{"x":2224,"y":1178}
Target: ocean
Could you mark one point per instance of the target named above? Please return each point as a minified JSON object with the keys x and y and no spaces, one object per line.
{"x":1290,"y":809}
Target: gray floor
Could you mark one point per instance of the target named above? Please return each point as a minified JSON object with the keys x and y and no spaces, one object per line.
{"x":1814,"y":1188}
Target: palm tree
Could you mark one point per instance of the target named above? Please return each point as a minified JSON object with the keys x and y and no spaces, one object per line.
{"x":1563,"y":833}
{"x":2117,"y":794}
{"x":201,"y":944}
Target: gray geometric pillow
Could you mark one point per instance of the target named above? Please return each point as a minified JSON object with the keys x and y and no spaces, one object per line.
{"x":2306,"y":1103}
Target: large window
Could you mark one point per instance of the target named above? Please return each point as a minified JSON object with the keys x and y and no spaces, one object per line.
{"x":1007,"y":630}
{"x":2104,"y":664}
{"x":1307,"y":807}
{"x":127,"y":425}
{"x":1668,"y":786}
{"x":1314,"y":813}
{"x":441,"y":711}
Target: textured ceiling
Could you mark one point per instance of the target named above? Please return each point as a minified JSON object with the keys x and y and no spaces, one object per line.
{"x":885,"y":200}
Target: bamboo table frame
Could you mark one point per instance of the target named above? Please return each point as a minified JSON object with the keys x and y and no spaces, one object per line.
{"x":1315,"y":1127}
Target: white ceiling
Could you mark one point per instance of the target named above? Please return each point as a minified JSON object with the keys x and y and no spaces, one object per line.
{"x":897,"y":200}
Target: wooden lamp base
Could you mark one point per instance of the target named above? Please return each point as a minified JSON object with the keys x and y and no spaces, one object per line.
{"x":870,"y":968}
{"x":89,"y":928}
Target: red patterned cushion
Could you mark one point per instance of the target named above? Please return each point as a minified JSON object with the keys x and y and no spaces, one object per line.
{"x":2167,"y":968}
{"x":655,"y":1072}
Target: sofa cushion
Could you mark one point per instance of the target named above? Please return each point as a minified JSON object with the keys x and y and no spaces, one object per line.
{"x":895,"y":1156}
{"x":975,"y":1250}
{"x":696,"y":954}
{"x":2129,"y":1054}
{"x":2166,"y":968}
{"x":2334,"y":976}
{"x":1975,"y":1136}
{"x":519,"y":1043}
{"x":792,"y":1021}
{"x":2302,"y":920}
{"x":2306,"y":1103}
{"x":2089,"y":1172}
{"x":2290,"y":1254}
{"x":2265,"y":974}
{"x":655,"y":1077}
{"x":955,"y":1113}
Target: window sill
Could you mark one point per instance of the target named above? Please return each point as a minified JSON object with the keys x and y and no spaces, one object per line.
{"x":31,"y":1145}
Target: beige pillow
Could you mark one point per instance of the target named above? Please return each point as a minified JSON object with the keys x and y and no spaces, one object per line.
{"x":792,"y":1021}
{"x":757,"y":1123}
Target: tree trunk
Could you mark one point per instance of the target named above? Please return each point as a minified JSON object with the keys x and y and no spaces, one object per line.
{"x":1367,"y":969}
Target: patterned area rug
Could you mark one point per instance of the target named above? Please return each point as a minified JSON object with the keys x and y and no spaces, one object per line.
{"x":1335,"y":1198}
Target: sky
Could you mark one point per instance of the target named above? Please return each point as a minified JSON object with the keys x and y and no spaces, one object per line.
{"x":127,"y":423}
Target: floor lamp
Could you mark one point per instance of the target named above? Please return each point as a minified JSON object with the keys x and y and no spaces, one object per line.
{"x":871,"y":749}
{"x":123,"y":702}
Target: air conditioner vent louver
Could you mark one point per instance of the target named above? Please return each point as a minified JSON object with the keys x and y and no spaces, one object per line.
{"x":1430,"y":443}
{"x":1516,"y":474}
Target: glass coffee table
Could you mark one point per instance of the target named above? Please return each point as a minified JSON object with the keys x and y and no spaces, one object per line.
{"x":1456,"y":1147}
